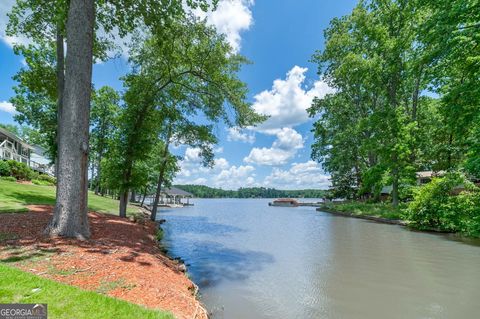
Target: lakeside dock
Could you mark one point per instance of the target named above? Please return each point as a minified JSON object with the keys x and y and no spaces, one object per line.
{"x":290,"y":202}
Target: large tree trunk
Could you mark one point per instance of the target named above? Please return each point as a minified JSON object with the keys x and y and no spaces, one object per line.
{"x":153,"y":214}
{"x":123,"y":204}
{"x":123,"y":193}
{"x":60,"y":70}
{"x":70,"y":216}
{"x":143,"y":197}
{"x":395,"y":179}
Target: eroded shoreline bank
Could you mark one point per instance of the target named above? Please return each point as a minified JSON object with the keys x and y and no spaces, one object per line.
{"x":122,"y":259}
{"x":367,"y":217}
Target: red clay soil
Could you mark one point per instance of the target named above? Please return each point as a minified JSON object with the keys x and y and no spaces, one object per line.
{"x":121,"y":259}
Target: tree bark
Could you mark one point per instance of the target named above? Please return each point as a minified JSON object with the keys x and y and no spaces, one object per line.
{"x":60,"y":72}
{"x":70,"y":215}
{"x":153,"y":214}
{"x":133,"y":196}
{"x":123,"y":193}
{"x":92,"y":175}
{"x":143,"y":197}
{"x":123,"y":204}
{"x":395,"y":179}
{"x":99,"y":172}
{"x":416,"y":94}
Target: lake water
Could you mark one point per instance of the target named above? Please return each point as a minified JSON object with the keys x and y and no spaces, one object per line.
{"x":255,"y":261}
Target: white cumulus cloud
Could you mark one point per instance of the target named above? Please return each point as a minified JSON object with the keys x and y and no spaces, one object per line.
{"x":235,"y":177}
{"x":236,"y":134}
{"x":221,"y":163}
{"x":6,"y":7}
{"x":286,"y":103}
{"x":7,"y":107}
{"x":231,"y":18}
{"x":222,"y":174}
{"x":299,"y":176}
{"x":192,"y":154}
{"x":283,"y":149}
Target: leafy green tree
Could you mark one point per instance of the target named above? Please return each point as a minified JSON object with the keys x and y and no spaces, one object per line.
{"x":369,"y":127}
{"x":11,"y":128}
{"x":73,"y":83}
{"x":187,"y":72}
{"x":104,"y":115}
{"x":451,"y":32}
{"x":35,"y":94}
{"x":450,"y":203}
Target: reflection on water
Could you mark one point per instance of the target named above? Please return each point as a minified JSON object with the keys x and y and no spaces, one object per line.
{"x":255,"y":261}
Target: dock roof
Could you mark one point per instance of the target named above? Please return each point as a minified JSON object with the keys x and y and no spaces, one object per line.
{"x":173,"y":191}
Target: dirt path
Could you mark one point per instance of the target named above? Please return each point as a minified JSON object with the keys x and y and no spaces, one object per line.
{"x":121,"y":259}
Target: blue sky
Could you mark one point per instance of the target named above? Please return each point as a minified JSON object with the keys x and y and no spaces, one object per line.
{"x":279,"y":37}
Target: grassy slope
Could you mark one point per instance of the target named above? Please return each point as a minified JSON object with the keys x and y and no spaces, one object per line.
{"x":17,"y":287}
{"x":384,"y":210}
{"x":14,"y":197}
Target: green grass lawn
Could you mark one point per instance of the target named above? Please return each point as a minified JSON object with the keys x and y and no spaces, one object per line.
{"x":14,"y":197}
{"x":384,"y":210}
{"x":66,"y":301}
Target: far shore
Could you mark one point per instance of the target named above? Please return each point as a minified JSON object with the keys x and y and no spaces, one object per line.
{"x":367,"y":217}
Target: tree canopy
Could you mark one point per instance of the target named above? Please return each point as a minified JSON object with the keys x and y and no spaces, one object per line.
{"x":405,"y":100}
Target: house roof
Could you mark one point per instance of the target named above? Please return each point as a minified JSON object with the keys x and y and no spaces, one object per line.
{"x":14,"y":137}
{"x":173,"y":191}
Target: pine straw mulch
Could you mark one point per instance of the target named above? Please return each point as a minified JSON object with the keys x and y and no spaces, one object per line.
{"x":121,"y":259}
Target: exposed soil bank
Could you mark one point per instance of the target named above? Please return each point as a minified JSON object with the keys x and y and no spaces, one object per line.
{"x":121,"y":259}
{"x":374,"y":218}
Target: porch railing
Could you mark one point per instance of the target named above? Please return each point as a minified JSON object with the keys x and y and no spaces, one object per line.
{"x":8,"y":153}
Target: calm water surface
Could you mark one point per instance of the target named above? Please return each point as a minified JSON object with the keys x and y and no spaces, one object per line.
{"x":255,"y":261}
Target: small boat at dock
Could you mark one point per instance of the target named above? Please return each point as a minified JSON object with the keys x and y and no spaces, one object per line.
{"x":284,"y":202}
{"x":290,"y":202}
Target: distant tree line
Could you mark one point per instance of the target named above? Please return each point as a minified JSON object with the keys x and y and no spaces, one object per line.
{"x":203,"y":191}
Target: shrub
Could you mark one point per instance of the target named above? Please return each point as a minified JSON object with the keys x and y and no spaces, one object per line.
{"x":5,"y":169}
{"x":451,"y":204}
{"x":34,"y":175}
{"x":47,"y":178}
{"x":40,"y":182}
{"x":8,"y":178}
{"x":159,"y":234}
{"x":20,"y":170}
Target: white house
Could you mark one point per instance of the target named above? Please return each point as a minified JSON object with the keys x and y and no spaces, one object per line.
{"x":14,"y":148}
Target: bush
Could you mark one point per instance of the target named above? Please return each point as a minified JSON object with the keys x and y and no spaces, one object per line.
{"x":34,"y":175}
{"x":451,"y":204}
{"x":47,"y":178}
{"x":20,"y":170}
{"x":159,"y":234}
{"x":5,"y":169}
{"x":8,"y":178}
{"x":40,"y":182}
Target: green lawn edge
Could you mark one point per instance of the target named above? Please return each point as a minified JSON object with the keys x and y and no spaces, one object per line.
{"x":14,"y":197}
{"x":67,"y":302}
{"x":380,"y":210}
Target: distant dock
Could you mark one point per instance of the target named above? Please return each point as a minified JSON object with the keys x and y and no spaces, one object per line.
{"x":290,"y":202}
